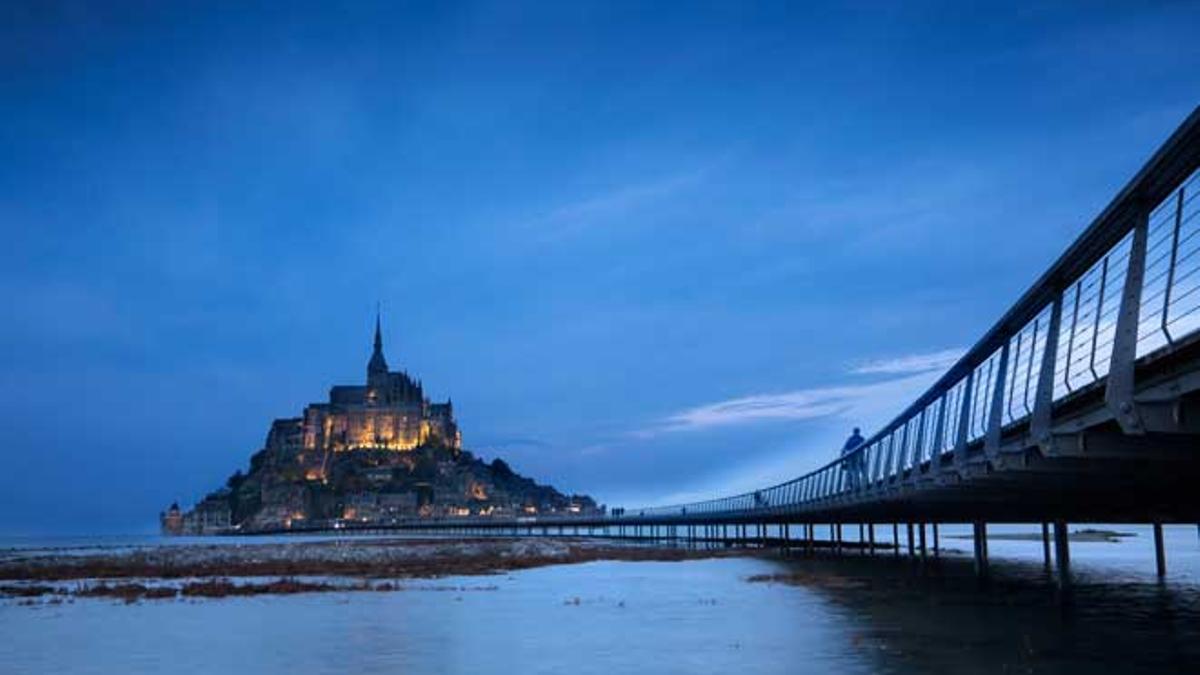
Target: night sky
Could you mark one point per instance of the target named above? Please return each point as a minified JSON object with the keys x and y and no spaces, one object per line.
{"x":652,"y":251}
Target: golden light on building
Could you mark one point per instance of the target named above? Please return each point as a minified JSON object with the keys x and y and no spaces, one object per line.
{"x":478,"y":491}
{"x":388,"y":412}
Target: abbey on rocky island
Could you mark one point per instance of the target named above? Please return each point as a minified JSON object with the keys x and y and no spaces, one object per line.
{"x":375,"y":453}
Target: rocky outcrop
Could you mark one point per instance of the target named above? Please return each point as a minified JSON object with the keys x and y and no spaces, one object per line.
{"x":376,"y":486}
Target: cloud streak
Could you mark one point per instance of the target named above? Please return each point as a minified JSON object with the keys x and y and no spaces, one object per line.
{"x":576,"y":217}
{"x":794,"y":405}
{"x":866,"y":404}
{"x":911,"y":363}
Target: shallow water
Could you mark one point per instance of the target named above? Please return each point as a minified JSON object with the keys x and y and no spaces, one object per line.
{"x":850,"y":615}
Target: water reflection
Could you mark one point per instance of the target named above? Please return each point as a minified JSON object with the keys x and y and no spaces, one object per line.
{"x":853,"y":614}
{"x":938,"y":617}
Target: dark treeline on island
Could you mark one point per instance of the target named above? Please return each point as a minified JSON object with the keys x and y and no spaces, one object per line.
{"x":377,"y":453}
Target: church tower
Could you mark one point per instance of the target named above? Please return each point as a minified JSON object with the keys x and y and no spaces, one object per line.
{"x":377,"y":367}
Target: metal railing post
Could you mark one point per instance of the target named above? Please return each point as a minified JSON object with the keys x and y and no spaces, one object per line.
{"x":991,"y":444}
{"x":914,"y":458}
{"x":1071,"y":336}
{"x":935,"y":457}
{"x":1043,"y":402}
{"x":964,"y":420}
{"x":1166,"y":305}
{"x":885,"y":466}
{"x":900,"y":453}
{"x":1118,"y":392}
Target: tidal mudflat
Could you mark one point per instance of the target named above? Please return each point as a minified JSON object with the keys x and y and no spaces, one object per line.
{"x":284,"y":568}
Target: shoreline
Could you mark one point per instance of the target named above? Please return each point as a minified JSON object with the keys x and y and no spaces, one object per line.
{"x":206,"y":570}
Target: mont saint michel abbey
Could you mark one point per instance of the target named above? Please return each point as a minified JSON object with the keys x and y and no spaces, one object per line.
{"x":377,"y":453}
{"x":389,"y":412}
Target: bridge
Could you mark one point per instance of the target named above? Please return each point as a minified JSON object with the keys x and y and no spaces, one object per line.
{"x":1081,"y":404}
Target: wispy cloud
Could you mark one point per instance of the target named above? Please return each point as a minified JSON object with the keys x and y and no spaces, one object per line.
{"x":911,"y":363}
{"x":866,"y":404}
{"x":576,"y":217}
{"x":794,"y":405}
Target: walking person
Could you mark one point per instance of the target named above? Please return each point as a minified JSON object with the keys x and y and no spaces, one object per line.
{"x":853,"y":463}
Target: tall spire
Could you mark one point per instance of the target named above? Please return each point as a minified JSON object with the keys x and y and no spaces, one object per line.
{"x":378,"y":331}
{"x":377,"y":365}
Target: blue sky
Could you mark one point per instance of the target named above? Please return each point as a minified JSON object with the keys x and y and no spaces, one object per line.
{"x":652,"y":251}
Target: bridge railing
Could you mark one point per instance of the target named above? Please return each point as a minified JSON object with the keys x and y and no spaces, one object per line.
{"x":1127,"y":289}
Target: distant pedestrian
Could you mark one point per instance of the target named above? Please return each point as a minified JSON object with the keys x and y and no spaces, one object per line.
{"x":760,"y":501}
{"x":854,"y":463}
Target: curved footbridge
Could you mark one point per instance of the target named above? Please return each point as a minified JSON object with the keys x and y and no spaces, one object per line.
{"x":1081,"y":404}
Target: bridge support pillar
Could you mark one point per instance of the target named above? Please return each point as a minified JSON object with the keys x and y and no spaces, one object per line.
{"x":923,"y":549}
{"x":937,"y":551}
{"x":871,"y":538}
{"x":981,"y":552}
{"x":1062,"y":553}
{"x":912,"y":551}
{"x":836,"y":530}
{"x":896,"y":540}
{"x":1160,"y":557}
{"x":1046,"y":545}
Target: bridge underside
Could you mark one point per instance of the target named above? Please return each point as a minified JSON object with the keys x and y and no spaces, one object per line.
{"x":1148,"y":479}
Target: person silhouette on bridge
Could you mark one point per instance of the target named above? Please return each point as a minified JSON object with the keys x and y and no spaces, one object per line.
{"x":854,"y":464}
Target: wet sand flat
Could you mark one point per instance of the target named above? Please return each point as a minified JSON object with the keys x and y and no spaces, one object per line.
{"x":357,"y":559}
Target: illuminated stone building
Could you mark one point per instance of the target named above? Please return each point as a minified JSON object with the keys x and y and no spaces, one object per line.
{"x":389,"y":412}
{"x":377,"y":452}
